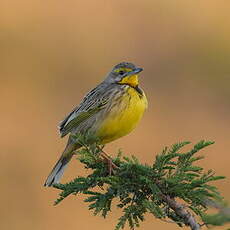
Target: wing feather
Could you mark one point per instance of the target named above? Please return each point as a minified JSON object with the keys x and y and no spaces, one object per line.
{"x":68,"y":117}
{"x":93,"y":102}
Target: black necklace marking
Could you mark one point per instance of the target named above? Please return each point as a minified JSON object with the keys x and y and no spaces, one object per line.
{"x":137,"y":88}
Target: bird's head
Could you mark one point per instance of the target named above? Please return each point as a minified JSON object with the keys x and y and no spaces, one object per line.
{"x":124,"y":74}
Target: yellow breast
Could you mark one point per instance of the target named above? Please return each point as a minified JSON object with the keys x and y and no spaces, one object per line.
{"x":123,"y":118}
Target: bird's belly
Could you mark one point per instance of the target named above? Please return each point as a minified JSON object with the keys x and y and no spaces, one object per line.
{"x":122,"y":119}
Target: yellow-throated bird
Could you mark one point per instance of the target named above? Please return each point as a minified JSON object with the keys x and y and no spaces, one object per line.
{"x":109,"y":111}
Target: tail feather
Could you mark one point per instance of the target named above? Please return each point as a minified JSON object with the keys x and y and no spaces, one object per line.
{"x":57,"y":172}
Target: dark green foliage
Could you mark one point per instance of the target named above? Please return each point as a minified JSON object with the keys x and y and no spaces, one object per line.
{"x":217,"y":219}
{"x":139,"y":188}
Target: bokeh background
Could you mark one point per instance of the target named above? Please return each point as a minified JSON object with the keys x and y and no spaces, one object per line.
{"x":53,"y":52}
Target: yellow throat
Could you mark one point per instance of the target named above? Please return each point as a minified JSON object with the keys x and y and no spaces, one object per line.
{"x":130,"y":80}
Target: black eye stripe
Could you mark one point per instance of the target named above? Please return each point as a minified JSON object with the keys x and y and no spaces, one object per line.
{"x":121,"y":72}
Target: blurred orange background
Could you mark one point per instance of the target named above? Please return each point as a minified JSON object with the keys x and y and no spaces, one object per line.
{"x":53,"y":52}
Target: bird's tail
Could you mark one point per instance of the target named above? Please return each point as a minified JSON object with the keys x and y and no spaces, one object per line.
{"x":58,"y":170}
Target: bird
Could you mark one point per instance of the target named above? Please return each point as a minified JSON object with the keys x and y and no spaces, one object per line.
{"x":109,"y":111}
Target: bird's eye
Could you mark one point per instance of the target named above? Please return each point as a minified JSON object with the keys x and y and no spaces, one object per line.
{"x":121,"y":72}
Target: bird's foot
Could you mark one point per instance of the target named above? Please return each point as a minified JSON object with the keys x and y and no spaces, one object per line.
{"x":111,"y":166}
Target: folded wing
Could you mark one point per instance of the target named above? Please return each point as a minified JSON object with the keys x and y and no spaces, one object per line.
{"x":92,"y":103}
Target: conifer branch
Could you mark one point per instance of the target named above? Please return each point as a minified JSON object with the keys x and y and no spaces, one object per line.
{"x":172,"y":188}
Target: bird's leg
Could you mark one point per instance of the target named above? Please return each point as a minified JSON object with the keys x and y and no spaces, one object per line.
{"x":107,"y":158}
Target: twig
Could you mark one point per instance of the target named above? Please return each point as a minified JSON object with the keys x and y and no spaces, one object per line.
{"x":182,"y":212}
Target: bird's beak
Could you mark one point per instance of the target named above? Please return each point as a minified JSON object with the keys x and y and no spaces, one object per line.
{"x":135,"y":71}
